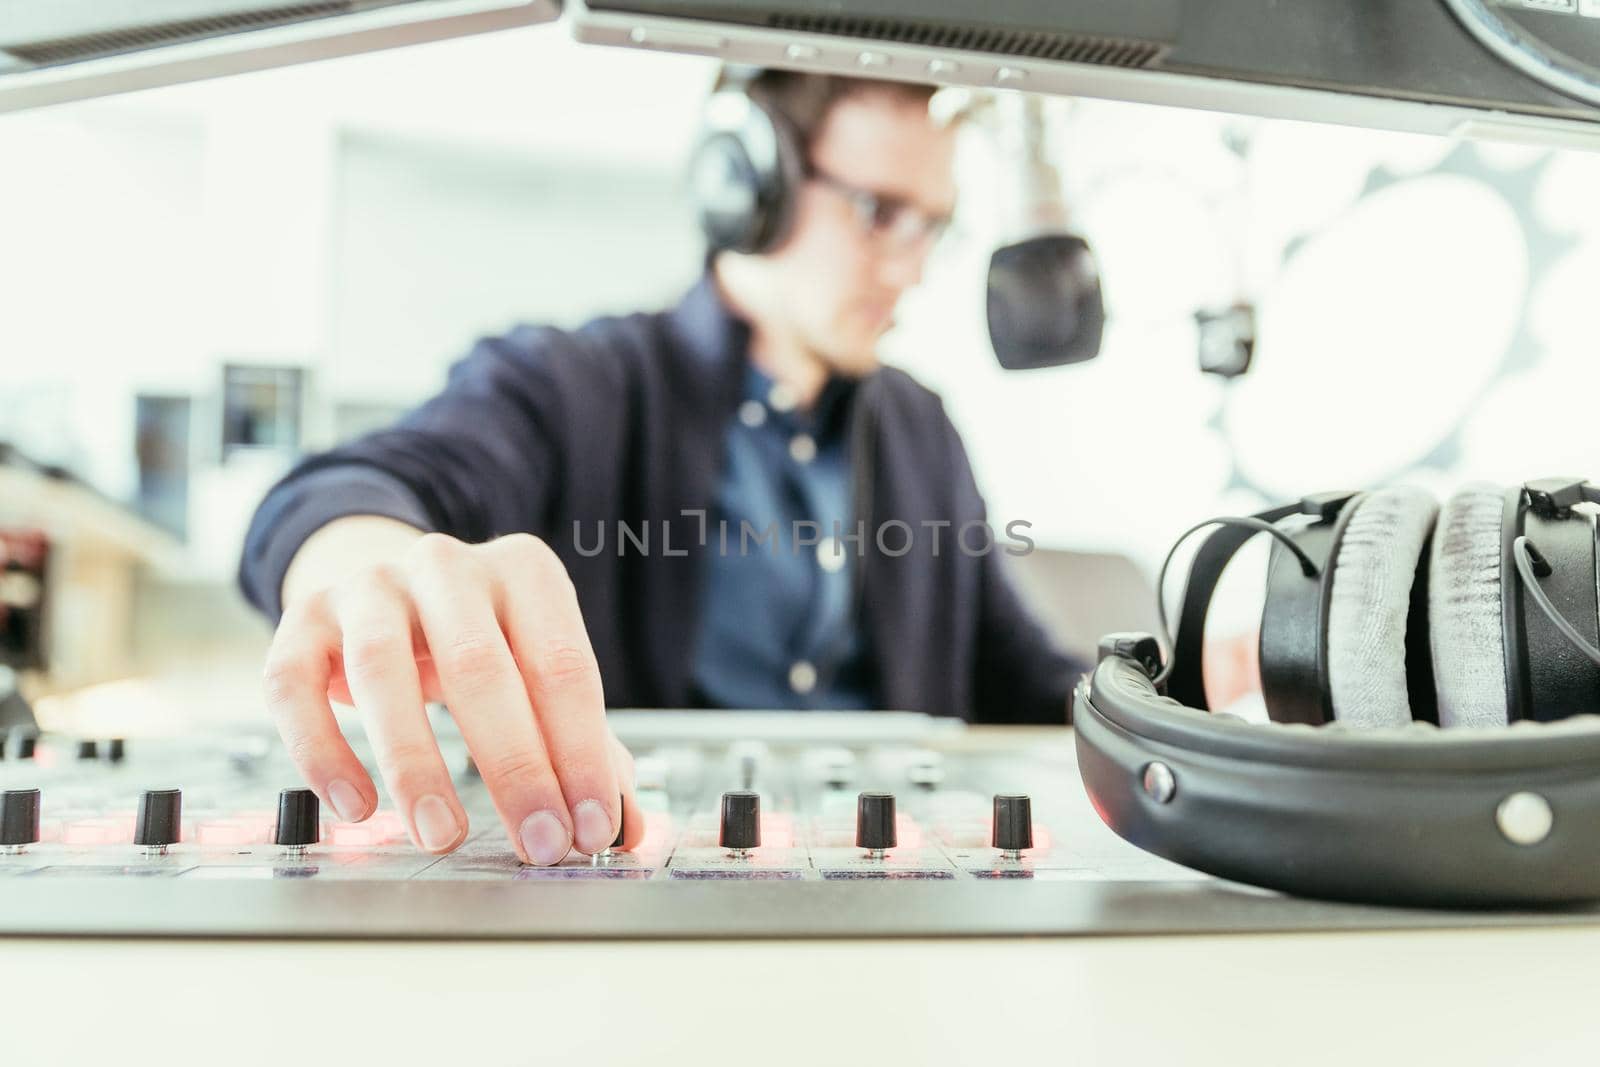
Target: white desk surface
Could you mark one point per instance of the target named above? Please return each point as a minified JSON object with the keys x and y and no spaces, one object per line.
{"x":1526,"y":996}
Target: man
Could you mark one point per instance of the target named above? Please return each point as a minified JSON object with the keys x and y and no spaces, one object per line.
{"x":473,"y":553}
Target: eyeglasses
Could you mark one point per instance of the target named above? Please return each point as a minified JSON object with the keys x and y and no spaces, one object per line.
{"x":894,"y":220}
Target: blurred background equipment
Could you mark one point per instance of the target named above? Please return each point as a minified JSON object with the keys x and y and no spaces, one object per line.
{"x":262,"y":407}
{"x":1227,"y":339}
{"x":24,"y":560}
{"x":24,"y":566}
{"x":70,"y":560}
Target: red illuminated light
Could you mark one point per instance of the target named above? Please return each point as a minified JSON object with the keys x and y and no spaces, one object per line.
{"x":657,"y":829}
{"x":777,"y":830}
{"x":101,"y":830}
{"x":231,"y":831}
{"x":380,"y":828}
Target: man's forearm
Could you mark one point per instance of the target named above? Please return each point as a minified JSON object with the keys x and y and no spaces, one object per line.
{"x":302,"y":506}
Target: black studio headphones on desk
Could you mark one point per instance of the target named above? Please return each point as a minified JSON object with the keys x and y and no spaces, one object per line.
{"x":1433,"y":678}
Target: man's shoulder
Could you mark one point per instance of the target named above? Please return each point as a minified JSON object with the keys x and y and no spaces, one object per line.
{"x":633,"y":335}
{"x":905,"y":398}
{"x":605,"y":350}
{"x":900,"y":383}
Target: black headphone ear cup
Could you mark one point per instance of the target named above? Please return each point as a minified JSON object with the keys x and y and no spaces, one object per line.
{"x":1373,"y":570}
{"x":743,"y":174}
{"x":1465,"y":612}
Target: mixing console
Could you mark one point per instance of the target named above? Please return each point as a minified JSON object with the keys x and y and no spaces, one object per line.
{"x":757,"y":825}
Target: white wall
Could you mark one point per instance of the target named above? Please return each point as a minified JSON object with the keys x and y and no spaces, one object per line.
{"x":434,"y":249}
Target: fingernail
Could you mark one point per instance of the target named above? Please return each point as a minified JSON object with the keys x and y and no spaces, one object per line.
{"x":594,"y":827}
{"x":346,"y":800}
{"x":436,"y":824}
{"x":545,"y":838}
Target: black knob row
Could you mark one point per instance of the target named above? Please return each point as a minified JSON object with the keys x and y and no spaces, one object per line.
{"x":875,"y":822}
{"x":1013,"y":823}
{"x":740,"y":827}
{"x":160,"y":818}
{"x":19,"y":818}
{"x":875,"y":829}
{"x":299,"y":819}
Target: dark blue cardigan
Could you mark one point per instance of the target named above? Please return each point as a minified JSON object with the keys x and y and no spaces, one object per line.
{"x":623,"y":420}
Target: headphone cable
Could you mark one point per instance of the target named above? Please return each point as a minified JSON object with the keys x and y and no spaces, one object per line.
{"x":1168,"y":652}
{"x":1531,"y":566}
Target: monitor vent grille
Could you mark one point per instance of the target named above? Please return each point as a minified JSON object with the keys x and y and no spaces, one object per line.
{"x":155,"y":35}
{"x":1026,"y":44}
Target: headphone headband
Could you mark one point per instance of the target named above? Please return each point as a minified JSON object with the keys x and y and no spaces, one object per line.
{"x":1381,"y":812}
{"x":1409,"y":815}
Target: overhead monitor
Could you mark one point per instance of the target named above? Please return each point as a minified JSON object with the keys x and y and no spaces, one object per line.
{"x":57,"y":50}
{"x":1513,"y":69}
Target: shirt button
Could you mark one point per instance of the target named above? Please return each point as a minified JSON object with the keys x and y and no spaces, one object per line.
{"x":830,"y":555}
{"x":802,"y":677}
{"x":752,"y":414}
{"x":782,"y":398}
{"x":803,"y":448}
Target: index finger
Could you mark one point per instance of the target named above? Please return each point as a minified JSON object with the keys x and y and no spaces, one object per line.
{"x":539,"y":611}
{"x":453,"y":596}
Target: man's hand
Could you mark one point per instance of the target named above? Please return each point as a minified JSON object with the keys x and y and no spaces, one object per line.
{"x":382,"y":616}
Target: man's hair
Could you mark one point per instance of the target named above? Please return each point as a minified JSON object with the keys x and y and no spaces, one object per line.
{"x":804,"y":99}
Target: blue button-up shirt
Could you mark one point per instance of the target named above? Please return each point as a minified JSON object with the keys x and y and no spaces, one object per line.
{"x":778,"y":627}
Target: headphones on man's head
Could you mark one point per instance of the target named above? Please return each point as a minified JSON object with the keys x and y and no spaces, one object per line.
{"x":1386,"y":617}
{"x":745,"y":170}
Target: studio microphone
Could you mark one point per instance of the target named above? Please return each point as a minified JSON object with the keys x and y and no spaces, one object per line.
{"x":1045,"y":307}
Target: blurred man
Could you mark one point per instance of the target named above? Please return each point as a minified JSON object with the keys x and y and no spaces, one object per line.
{"x":658,"y":510}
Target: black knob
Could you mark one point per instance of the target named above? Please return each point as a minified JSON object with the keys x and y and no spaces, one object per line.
{"x":741,"y":820}
{"x":116,"y":750}
{"x":299,"y":822}
{"x":1013,"y":823}
{"x":88,"y":750}
{"x":26,"y":742}
{"x":875,"y":821}
{"x":19,"y":817}
{"x":160,"y":818}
